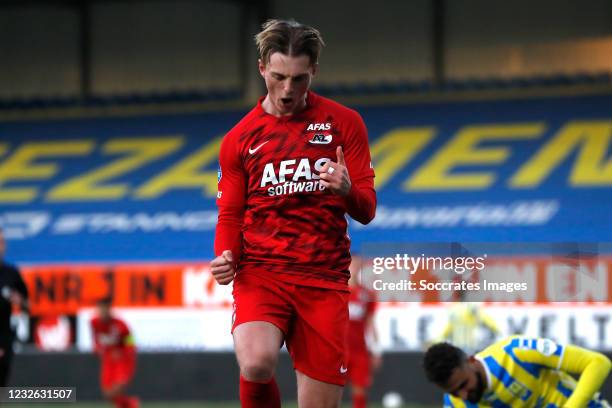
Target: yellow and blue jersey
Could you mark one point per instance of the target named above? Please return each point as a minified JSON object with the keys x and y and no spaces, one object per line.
{"x":535,"y":373}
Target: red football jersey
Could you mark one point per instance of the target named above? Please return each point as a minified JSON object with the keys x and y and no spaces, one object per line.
{"x":111,"y":337}
{"x":362,"y":305}
{"x":288,"y":224}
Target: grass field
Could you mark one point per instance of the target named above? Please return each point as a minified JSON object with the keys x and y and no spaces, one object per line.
{"x":173,"y":405}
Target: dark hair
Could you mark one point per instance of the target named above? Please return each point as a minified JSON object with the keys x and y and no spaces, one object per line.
{"x":290,"y":38}
{"x":105,"y":301}
{"x":440,"y":360}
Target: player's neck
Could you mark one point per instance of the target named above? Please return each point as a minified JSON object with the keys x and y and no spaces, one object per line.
{"x":481,"y":372}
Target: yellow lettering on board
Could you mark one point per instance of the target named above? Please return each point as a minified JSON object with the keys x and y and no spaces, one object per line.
{"x":395,"y":149}
{"x":137,"y":153}
{"x":22,"y":166}
{"x":186,"y":174}
{"x":592,"y":166}
{"x":464,"y":150}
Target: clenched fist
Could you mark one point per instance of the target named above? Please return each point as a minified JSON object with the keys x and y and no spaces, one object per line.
{"x":222,"y":268}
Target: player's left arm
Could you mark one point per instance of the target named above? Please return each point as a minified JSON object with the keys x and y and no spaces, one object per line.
{"x":592,"y":367}
{"x":128,"y":349}
{"x":352,"y":176}
{"x":127,"y":339}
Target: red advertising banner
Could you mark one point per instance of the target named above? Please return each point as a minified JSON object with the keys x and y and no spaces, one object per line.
{"x":64,"y":289}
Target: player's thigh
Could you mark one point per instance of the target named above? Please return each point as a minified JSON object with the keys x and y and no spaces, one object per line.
{"x":108,"y":373}
{"x":259,"y":299}
{"x":257,"y":343}
{"x":317,"y":394}
{"x":317,"y":338}
{"x":124,"y":372}
{"x":262,"y":311}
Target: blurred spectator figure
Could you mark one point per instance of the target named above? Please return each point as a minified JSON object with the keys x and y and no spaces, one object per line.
{"x":13,"y":296}
{"x":365,"y":356}
{"x":469,"y":327}
{"x":114,"y":343}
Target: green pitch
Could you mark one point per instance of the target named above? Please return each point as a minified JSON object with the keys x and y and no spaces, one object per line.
{"x":175,"y":405}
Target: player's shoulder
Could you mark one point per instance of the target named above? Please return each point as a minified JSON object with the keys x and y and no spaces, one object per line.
{"x":529,"y":342}
{"x":539,"y":345}
{"x":519,"y":345}
{"x":336,"y":108}
{"x":500,"y":346}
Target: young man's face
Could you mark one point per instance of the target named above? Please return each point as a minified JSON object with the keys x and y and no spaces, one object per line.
{"x":287,"y":80}
{"x":466,"y":383}
{"x":104,"y":311}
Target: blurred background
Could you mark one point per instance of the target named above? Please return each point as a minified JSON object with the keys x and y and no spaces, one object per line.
{"x":489,"y":122}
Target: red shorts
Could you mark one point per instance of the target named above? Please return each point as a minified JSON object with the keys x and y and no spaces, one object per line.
{"x":360,"y":373}
{"x":314,"y":322}
{"x":115,"y":372}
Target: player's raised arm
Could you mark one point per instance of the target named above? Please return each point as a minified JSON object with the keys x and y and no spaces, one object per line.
{"x":335,"y":176}
{"x":352,"y":175}
{"x":231,"y":198}
{"x":593,"y":369}
{"x":361,"y":200}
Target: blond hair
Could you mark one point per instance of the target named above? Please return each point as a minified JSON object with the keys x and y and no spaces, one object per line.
{"x":290,"y":38}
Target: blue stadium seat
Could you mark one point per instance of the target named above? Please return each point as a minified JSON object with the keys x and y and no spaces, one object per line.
{"x":386,"y":87}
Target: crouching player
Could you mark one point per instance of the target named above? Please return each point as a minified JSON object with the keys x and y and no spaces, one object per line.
{"x":115,"y":346}
{"x":518,"y":372}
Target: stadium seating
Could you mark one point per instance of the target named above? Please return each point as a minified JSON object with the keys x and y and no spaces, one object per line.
{"x":402,"y":87}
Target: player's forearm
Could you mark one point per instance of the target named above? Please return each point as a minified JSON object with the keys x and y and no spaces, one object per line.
{"x":228,"y":234}
{"x":592,"y":377}
{"x":361,"y":202}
